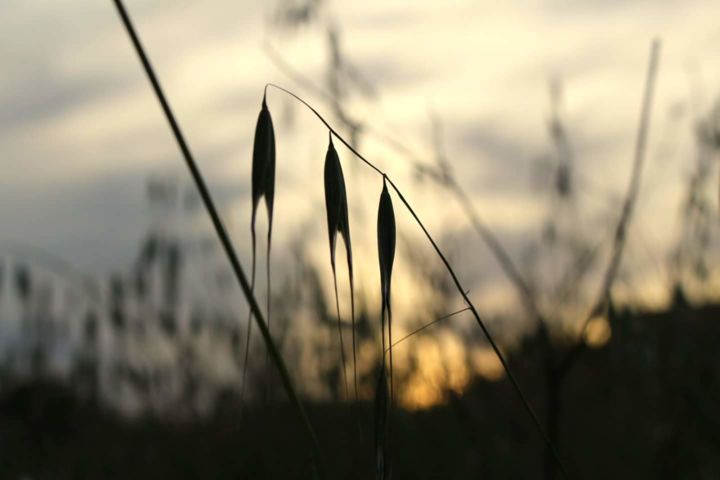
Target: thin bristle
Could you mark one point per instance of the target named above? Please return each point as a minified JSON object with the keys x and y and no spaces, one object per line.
{"x":342,"y":345}
{"x":269,"y":290}
{"x":354,"y":350}
{"x":249,"y":320}
{"x":382,"y":426}
{"x":390,"y":348}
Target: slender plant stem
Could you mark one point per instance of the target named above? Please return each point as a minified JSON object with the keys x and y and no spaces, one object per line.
{"x":224,"y":238}
{"x":354,"y":351}
{"x":308,"y":84}
{"x":340,"y":337}
{"x":390,"y":351}
{"x":450,"y":270}
{"x":427,"y":325}
{"x":329,"y":127}
{"x":269,"y":296}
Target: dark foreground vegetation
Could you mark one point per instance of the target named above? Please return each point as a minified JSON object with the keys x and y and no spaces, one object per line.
{"x":642,"y":406}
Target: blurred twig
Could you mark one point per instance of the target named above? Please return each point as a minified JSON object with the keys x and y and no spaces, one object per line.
{"x":620,"y":234}
{"x":81,"y":280}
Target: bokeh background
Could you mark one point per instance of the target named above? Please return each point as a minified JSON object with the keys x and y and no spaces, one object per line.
{"x":122,"y":326}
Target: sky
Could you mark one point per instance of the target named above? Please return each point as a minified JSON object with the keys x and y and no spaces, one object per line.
{"x":81,"y":133}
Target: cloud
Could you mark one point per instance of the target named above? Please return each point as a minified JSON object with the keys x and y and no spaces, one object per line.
{"x":78,"y":112}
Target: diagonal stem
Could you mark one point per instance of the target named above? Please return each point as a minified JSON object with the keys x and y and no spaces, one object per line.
{"x":223,"y":237}
{"x":501,"y":255}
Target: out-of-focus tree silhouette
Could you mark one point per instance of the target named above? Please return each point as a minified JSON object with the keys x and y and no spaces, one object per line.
{"x":695,"y":257}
